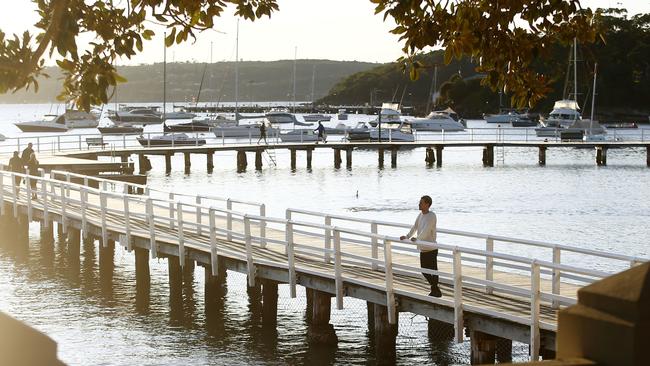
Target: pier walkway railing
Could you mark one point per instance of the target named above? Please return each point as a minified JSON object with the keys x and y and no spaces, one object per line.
{"x":368,"y":262}
{"x":78,"y":142}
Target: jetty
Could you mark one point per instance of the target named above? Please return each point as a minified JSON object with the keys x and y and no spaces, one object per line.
{"x":490,"y":296}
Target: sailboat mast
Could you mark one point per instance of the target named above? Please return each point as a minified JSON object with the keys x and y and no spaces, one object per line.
{"x":593,"y":99}
{"x":575,"y":70}
{"x":237,"y":74}
{"x":313,"y":81}
{"x":295,"y":55}
{"x":164,"y":76}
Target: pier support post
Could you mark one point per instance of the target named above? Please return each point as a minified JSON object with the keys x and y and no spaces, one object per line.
{"x":393,"y":157}
{"x":601,"y":155}
{"x":488,"y":155}
{"x":188,"y":162}
{"x":47,"y":233}
{"x":309,"y":156}
{"x":269,"y":304}
{"x":380,"y":158}
{"x":188,"y":270}
{"x":144,"y":163}
{"x":22,"y":237}
{"x":106,"y":255}
{"x":175,"y":282}
{"x":370,"y":308}
{"x":168,"y":163}
{"x":210,"y":161}
{"x":258,"y":159}
{"x":242,"y":163}
{"x":487,"y":348}
{"x":142,"y":275}
{"x":439,"y":155}
{"x":385,"y":335}
{"x":320,"y":331}
{"x":647,"y":156}
{"x":348,"y":158}
{"x":74,"y":245}
{"x":124,"y":158}
{"x":429,"y":157}
{"x":542,"y":155}
{"x":337,"y":158}
{"x":309,"y":308}
{"x":292,"y":152}
{"x":254,"y":300}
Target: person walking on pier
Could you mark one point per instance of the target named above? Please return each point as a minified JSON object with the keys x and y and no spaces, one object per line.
{"x":425,"y":226}
{"x":32,"y":169}
{"x":262,"y":134}
{"x":27,"y":153}
{"x":321,"y":132}
{"x":16,"y":165}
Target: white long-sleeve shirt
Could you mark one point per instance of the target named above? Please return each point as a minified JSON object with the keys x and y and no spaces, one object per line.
{"x":425,"y":225}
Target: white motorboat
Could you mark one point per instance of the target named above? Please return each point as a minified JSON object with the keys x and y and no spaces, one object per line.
{"x":393,"y":132}
{"x":340,"y":129}
{"x":61,"y":123}
{"x":280,"y":117}
{"x":142,"y":116}
{"x":505,"y":115}
{"x":243,"y":131}
{"x":172,"y":140}
{"x":389,"y":113}
{"x":342,"y":115}
{"x":179,"y":115}
{"x":316,"y":118}
{"x":565,"y":112}
{"x":302,"y":135}
{"x":437,"y":121}
{"x":360,"y":132}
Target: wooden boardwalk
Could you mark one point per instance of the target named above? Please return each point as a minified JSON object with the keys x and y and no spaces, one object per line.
{"x":486,"y":291}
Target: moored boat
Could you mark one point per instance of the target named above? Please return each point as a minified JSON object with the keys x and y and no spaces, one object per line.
{"x":61,"y":123}
{"x":171,"y":140}
{"x":120,"y":130}
{"x":193,"y":126}
{"x":316,"y":118}
{"x":302,"y":135}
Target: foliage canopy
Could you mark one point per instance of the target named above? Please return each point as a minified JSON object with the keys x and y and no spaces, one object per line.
{"x":504,"y":37}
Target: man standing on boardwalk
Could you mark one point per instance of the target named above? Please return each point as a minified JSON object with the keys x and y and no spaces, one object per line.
{"x":27,"y":153}
{"x":16,"y":165}
{"x":425,"y":225}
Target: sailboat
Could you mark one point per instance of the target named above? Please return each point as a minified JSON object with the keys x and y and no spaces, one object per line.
{"x":587,"y":130}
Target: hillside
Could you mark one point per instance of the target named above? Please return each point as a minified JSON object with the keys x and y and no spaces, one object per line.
{"x":258,"y":81}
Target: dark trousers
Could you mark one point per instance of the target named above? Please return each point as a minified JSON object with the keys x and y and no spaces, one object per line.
{"x":429,"y":260}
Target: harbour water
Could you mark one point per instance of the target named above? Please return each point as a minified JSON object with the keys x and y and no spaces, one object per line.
{"x":569,"y":201}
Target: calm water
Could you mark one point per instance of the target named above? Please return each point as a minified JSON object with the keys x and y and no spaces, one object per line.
{"x":569,"y":201}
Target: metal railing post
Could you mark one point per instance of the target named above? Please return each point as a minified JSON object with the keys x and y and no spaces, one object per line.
{"x":557,"y":275}
{"x":214,"y":258}
{"x":82,"y":205}
{"x":534,"y":311}
{"x":290,"y":258}
{"x":199,"y":216}
{"x":328,"y":239}
{"x":171,"y":211}
{"x":390,"y":294}
{"x":181,"y":235}
{"x":102,"y":204}
{"x":28,"y":189}
{"x":262,"y":226}
{"x":489,"y":264}
{"x":458,"y":297}
{"x":152,"y":228}
{"x":64,"y":204}
{"x":249,"y":252}
{"x":229,"y":221}
{"x":127,"y":223}
{"x":374,"y":246}
{"x":338,"y":276}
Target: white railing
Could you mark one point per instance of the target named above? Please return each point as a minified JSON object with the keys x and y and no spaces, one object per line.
{"x":332,"y":250}
{"x":78,"y":142}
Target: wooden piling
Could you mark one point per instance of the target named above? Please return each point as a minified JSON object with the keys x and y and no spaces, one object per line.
{"x":429,"y":157}
{"x":242,"y":163}
{"x":269,"y":304}
{"x":439,"y":155}
{"x":488,"y":155}
{"x":309,"y":157}
{"x":144,"y":163}
{"x":175,"y":281}
{"x":74,"y":244}
{"x":370,"y":309}
{"x":385,"y":335}
{"x":393,"y":157}
{"x":168,"y":163}
{"x":258,"y":159}
{"x":542,"y":155}
{"x":483,"y":348}
{"x":309,"y":307}
{"x":188,"y":162}
{"x":124,"y":158}
{"x":292,"y":153}
{"x":320,"y":331}
{"x":47,"y":233}
{"x":142,"y":275}
{"x":380,"y":158}
{"x":337,"y":158}
{"x":647,"y":156}
{"x":210,"y":160}
{"x":348,"y":158}
{"x":601,"y":155}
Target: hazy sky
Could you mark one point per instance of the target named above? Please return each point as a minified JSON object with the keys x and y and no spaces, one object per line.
{"x":320,"y":29}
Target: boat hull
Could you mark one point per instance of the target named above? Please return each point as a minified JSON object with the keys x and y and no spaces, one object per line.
{"x":167,"y":143}
{"x":41,"y":128}
{"x":120,"y":130}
